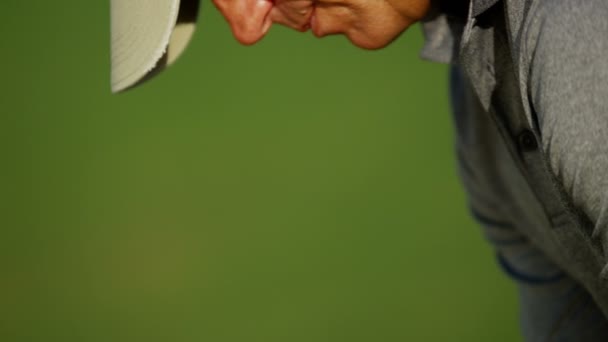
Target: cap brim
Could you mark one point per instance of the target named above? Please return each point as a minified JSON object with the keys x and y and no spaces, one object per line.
{"x":148,"y":36}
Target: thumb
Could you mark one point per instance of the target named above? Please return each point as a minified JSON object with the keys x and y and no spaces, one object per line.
{"x":248,"y":19}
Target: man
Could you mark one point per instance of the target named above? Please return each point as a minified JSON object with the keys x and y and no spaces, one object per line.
{"x":530,"y":98}
{"x":529,"y":85}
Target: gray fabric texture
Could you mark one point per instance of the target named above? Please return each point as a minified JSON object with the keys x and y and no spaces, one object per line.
{"x":535,"y":153}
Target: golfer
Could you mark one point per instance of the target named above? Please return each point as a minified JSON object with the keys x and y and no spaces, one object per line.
{"x":529,"y":88}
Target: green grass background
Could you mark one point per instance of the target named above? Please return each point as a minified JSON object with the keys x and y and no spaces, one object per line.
{"x":298,"y":190}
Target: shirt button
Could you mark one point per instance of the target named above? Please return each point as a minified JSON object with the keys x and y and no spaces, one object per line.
{"x":527,"y":141}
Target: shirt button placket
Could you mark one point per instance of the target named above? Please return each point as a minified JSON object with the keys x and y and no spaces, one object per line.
{"x":527,"y":141}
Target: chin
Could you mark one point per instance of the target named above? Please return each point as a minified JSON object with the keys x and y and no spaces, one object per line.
{"x":374,"y":42}
{"x":368,"y":44}
{"x":371,"y":44}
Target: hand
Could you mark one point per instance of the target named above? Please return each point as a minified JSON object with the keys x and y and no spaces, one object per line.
{"x":369,"y":24}
{"x":293,"y":13}
{"x":250,"y":20}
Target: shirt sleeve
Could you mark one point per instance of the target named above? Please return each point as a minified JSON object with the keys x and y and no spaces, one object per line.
{"x":568,"y":88}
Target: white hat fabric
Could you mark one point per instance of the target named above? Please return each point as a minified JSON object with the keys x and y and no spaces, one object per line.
{"x":148,"y":36}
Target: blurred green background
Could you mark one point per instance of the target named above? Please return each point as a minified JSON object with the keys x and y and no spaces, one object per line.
{"x":298,"y":190}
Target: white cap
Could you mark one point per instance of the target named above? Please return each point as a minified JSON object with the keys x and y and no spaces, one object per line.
{"x":148,"y":36}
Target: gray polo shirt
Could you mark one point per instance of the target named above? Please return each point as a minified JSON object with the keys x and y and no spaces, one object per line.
{"x":532,"y":125}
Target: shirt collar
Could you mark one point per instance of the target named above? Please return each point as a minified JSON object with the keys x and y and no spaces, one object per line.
{"x":442,"y":32}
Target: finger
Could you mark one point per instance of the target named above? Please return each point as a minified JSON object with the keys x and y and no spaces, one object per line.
{"x":295,"y":14}
{"x":248,"y":19}
{"x":277,"y":16}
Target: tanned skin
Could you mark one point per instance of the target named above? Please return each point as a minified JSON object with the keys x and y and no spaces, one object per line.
{"x":369,"y":24}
